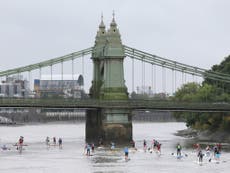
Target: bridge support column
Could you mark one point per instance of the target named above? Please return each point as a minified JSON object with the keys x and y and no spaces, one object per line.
{"x":117,"y":125}
{"x":93,"y":128}
{"x":109,"y":125}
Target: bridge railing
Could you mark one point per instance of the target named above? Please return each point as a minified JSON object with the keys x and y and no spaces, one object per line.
{"x":158,"y":104}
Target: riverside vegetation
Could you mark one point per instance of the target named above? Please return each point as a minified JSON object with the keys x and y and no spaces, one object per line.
{"x":213,"y":125}
{"x":208,"y":91}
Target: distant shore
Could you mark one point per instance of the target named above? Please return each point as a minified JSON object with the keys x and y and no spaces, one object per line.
{"x":39,"y":123}
{"x":8,"y":124}
{"x":217,"y":136}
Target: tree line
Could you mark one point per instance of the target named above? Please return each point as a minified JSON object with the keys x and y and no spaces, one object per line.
{"x":208,"y":91}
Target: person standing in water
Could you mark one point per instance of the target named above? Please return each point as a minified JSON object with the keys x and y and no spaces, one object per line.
{"x":132,"y":143}
{"x":200,"y":156}
{"x":126,"y":150}
{"x":92,"y":147}
{"x":144,"y":145}
{"x":112,"y":146}
{"x":21,"y":140}
{"x":20,"y":144}
{"x":159,"y":148}
{"x":208,"y":149}
{"x":216,"y":153}
{"x":179,"y":148}
{"x":60,"y":143}
{"x":54,"y":141}
{"x":47,"y":141}
{"x":87,"y":149}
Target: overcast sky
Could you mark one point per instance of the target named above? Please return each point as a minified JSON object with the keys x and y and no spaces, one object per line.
{"x":195,"y":32}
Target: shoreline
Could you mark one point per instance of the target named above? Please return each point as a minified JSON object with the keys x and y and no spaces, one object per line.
{"x":70,"y":122}
{"x":40,"y":123}
{"x":205,"y":136}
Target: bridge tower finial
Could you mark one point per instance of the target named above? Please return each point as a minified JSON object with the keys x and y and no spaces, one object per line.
{"x":113,"y":14}
{"x":101,"y":16}
{"x":102,"y":25}
{"x":113,"y":23}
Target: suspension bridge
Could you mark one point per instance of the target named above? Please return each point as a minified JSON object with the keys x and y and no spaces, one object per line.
{"x":109,"y":106}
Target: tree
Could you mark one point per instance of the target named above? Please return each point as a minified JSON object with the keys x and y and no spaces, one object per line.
{"x":223,"y":67}
{"x":209,"y":91}
{"x":187,"y":92}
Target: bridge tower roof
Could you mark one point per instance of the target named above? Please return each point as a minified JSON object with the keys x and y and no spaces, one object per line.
{"x":102,"y":25}
{"x":100,"y":40}
{"x":114,"y":47}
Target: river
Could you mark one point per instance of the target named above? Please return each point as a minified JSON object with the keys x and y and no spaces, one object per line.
{"x":37,"y":158}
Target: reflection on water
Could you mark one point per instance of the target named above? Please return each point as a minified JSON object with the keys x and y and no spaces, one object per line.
{"x":38,"y":158}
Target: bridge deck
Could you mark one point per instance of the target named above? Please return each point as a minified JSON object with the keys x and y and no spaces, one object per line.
{"x":167,"y":105}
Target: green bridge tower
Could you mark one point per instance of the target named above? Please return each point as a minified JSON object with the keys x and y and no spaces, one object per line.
{"x":109,"y":124}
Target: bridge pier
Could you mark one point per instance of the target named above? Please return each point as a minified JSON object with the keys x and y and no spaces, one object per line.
{"x":109,"y":125}
{"x":93,"y":128}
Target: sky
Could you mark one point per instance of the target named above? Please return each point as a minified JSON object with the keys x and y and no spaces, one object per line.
{"x":193,"y":32}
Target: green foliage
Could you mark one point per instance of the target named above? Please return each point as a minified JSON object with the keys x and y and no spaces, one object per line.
{"x":223,"y":67}
{"x":209,"y":91}
{"x":192,"y":92}
{"x":206,"y":93}
{"x":187,"y":92}
{"x":225,"y":125}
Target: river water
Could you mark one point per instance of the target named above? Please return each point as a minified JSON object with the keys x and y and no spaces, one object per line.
{"x":37,"y":158}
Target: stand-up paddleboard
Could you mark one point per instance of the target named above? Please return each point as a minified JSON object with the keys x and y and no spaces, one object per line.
{"x":179,"y":156}
{"x":89,"y":155}
{"x":122,"y":160}
{"x":142,"y":151}
{"x":100,"y":148}
{"x":199,"y":163}
{"x":54,"y":145}
{"x":20,"y":145}
{"x":158,"y":153}
{"x":128,"y":159}
{"x":85,"y":153}
{"x":5,"y":148}
{"x":215,"y":161}
{"x":133,"y":150}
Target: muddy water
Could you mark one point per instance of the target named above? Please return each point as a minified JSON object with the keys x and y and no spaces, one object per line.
{"x":38,"y":158}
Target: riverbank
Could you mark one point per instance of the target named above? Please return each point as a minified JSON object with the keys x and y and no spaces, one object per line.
{"x":8,"y":124}
{"x":41,"y":123}
{"x":203,"y":136}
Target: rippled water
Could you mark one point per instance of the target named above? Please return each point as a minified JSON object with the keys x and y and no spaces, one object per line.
{"x":37,"y":158}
